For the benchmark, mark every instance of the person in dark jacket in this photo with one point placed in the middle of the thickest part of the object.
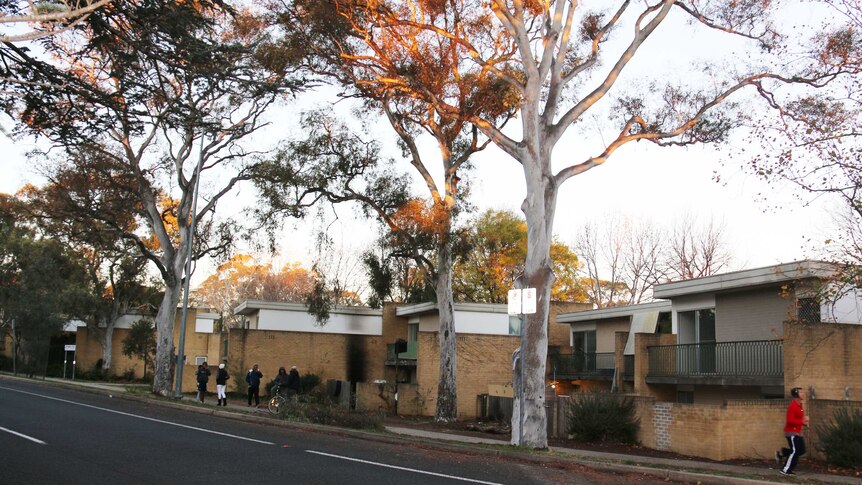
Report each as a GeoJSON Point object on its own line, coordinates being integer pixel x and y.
{"type": "Point", "coordinates": [796, 419]}
{"type": "Point", "coordinates": [203, 376]}
{"type": "Point", "coordinates": [221, 383]}
{"type": "Point", "coordinates": [280, 382]}
{"type": "Point", "coordinates": [253, 379]}
{"type": "Point", "coordinates": [293, 384]}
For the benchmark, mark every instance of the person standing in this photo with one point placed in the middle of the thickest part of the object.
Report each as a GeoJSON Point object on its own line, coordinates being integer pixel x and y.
{"type": "Point", "coordinates": [253, 379]}
{"type": "Point", "coordinates": [281, 380]}
{"type": "Point", "coordinates": [221, 383]}
{"type": "Point", "coordinates": [796, 419]}
{"type": "Point", "coordinates": [203, 376]}
{"type": "Point", "coordinates": [293, 383]}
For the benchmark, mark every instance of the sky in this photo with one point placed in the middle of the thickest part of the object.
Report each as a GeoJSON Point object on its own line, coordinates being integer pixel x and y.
{"type": "Point", "coordinates": [640, 181]}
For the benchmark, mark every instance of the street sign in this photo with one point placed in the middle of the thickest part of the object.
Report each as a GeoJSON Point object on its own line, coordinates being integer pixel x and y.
{"type": "Point", "coordinates": [528, 301]}
{"type": "Point", "coordinates": [522, 302]}
{"type": "Point", "coordinates": [514, 301]}
{"type": "Point", "coordinates": [69, 348]}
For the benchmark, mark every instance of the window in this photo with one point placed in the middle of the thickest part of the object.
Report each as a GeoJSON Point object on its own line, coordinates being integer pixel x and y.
{"type": "Point", "coordinates": [413, 332]}
{"type": "Point", "coordinates": [584, 342]}
{"type": "Point", "coordinates": [664, 323]}
{"type": "Point", "coordinates": [808, 310]}
{"type": "Point", "coordinates": [200, 359]}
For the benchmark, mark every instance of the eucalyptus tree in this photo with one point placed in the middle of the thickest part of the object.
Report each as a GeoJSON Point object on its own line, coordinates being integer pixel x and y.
{"type": "Point", "coordinates": [369, 64]}
{"type": "Point", "coordinates": [116, 270]}
{"type": "Point", "coordinates": [813, 142]}
{"type": "Point", "coordinates": [564, 60]}
{"type": "Point", "coordinates": [28, 20]}
{"type": "Point", "coordinates": [147, 99]}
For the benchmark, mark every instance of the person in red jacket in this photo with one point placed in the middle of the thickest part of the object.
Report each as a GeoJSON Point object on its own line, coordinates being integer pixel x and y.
{"type": "Point", "coordinates": [796, 419]}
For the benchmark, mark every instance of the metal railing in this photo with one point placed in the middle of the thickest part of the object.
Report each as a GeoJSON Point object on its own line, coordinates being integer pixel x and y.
{"type": "Point", "coordinates": [753, 358]}
{"type": "Point", "coordinates": [580, 363]}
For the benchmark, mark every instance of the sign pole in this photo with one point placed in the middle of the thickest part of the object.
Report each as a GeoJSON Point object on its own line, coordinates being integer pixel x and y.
{"type": "Point", "coordinates": [521, 386]}
{"type": "Point", "coordinates": [522, 302]}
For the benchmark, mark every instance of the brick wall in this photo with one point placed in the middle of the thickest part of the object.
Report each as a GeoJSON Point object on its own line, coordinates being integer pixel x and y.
{"type": "Point", "coordinates": [371, 397]}
{"type": "Point", "coordinates": [325, 355]}
{"type": "Point", "coordinates": [735, 429]}
{"type": "Point", "coordinates": [826, 357]}
{"type": "Point", "coordinates": [642, 342]}
{"type": "Point", "coordinates": [88, 350]}
{"type": "Point", "coordinates": [481, 360]}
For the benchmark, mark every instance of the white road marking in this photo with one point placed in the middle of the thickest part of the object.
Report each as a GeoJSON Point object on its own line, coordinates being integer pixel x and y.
{"type": "Point", "coordinates": [141, 417]}
{"type": "Point", "coordinates": [453, 477]}
{"type": "Point", "coordinates": [34, 440]}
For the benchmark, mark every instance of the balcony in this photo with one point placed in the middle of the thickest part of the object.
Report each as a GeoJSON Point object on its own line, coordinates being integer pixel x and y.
{"type": "Point", "coordinates": [403, 359]}
{"type": "Point", "coordinates": [756, 362]}
{"type": "Point", "coordinates": [579, 365]}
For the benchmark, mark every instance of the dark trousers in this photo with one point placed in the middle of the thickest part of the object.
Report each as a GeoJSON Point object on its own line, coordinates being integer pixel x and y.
{"type": "Point", "coordinates": [202, 391]}
{"type": "Point", "coordinates": [254, 391]}
{"type": "Point", "coordinates": [792, 454]}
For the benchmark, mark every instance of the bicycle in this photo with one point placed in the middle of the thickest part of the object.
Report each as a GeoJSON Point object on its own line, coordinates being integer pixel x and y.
{"type": "Point", "coordinates": [276, 402]}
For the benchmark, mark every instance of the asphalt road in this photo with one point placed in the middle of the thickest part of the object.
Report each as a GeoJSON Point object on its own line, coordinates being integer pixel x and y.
{"type": "Point", "coordinates": [57, 435]}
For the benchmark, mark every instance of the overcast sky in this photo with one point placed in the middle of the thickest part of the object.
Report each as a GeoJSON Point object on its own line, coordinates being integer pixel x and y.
{"type": "Point", "coordinates": [639, 181]}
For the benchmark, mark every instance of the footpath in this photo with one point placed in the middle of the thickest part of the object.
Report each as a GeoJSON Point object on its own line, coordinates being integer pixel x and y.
{"type": "Point", "coordinates": [689, 471]}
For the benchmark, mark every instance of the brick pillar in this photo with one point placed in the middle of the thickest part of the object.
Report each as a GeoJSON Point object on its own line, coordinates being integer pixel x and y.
{"type": "Point", "coordinates": [642, 341]}
{"type": "Point", "coordinates": [620, 339]}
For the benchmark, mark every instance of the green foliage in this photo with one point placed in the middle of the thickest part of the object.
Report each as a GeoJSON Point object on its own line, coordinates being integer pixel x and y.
{"type": "Point", "coordinates": [841, 439]}
{"type": "Point", "coordinates": [494, 255]}
{"type": "Point", "coordinates": [140, 342]}
{"type": "Point", "coordinates": [308, 383]}
{"type": "Point", "coordinates": [319, 302]}
{"type": "Point", "coordinates": [595, 417]}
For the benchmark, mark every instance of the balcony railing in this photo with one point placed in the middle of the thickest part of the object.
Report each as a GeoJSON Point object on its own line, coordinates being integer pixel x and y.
{"type": "Point", "coordinates": [581, 364]}
{"type": "Point", "coordinates": [756, 358]}
{"type": "Point", "coordinates": [404, 358]}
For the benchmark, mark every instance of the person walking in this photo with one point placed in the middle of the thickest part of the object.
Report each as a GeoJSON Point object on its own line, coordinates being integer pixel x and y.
{"type": "Point", "coordinates": [787, 458]}
{"type": "Point", "coordinates": [253, 379]}
{"type": "Point", "coordinates": [293, 383]}
{"type": "Point", "coordinates": [203, 376]}
{"type": "Point", "coordinates": [221, 383]}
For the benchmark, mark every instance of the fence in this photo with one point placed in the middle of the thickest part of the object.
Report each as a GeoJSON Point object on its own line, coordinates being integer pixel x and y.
{"type": "Point", "coordinates": [756, 358]}
{"type": "Point", "coordinates": [583, 364]}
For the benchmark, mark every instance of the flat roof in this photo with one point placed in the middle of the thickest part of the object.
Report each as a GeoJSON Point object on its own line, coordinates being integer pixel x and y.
{"type": "Point", "coordinates": [768, 275]}
{"type": "Point", "coordinates": [430, 306]}
{"type": "Point", "coordinates": [613, 312]}
{"type": "Point", "coordinates": [251, 306]}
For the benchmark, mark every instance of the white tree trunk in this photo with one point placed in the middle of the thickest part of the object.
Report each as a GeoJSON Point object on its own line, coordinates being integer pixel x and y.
{"type": "Point", "coordinates": [538, 208]}
{"type": "Point", "coordinates": [162, 378]}
{"type": "Point", "coordinates": [107, 347]}
{"type": "Point", "coordinates": [447, 398]}
{"type": "Point", "coordinates": [108, 338]}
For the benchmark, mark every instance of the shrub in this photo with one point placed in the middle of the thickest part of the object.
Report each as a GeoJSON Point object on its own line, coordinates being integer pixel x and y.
{"type": "Point", "coordinates": [308, 382]}
{"type": "Point", "coordinates": [841, 439]}
{"type": "Point", "coordinates": [602, 417]}
{"type": "Point", "coordinates": [128, 375]}
{"type": "Point", "coordinates": [329, 415]}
